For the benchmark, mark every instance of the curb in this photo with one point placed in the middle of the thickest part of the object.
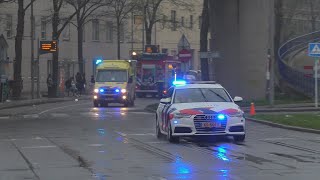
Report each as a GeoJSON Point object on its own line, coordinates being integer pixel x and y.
{"type": "Point", "coordinates": [37, 102]}
{"type": "Point", "coordinates": [294, 128]}
{"type": "Point", "coordinates": [285, 110]}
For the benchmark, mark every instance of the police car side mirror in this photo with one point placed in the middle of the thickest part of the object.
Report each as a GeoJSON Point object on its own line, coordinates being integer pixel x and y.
{"type": "Point", "coordinates": [165, 100]}
{"type": "Point", "coordinates": [238, 99]}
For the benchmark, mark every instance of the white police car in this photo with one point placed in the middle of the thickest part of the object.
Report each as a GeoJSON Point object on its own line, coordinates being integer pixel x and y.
{"type": "Point", "coordinates": [198, 109]}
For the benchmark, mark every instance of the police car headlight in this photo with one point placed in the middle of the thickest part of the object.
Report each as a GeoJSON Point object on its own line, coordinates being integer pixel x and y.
{"type": "Point", "coordinates": [180, 115]}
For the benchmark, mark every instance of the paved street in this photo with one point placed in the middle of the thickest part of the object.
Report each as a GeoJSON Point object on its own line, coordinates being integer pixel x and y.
{"type": "Point", "coordinates": [75, 141]}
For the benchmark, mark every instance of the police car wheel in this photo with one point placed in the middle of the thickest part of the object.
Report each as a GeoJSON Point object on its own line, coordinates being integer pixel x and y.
{"type": "Point", "coordinates": [158, 132]}
{"type": "Point", "coordinates": [239, 138]}
{"type": "Point", "coordinates": [171, 138]}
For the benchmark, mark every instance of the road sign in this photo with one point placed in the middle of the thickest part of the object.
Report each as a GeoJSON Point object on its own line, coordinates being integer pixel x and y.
{"type": "Point", "coordinates": [314, 49]}
{"type": "Point", "coordinates": [209, 55]}
{"type": "Point", "coordinates": [48, 47]}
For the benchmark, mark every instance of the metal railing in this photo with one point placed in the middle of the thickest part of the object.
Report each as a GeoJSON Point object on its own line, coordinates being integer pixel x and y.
{"type": "Point", "coordinates": [295, 78]}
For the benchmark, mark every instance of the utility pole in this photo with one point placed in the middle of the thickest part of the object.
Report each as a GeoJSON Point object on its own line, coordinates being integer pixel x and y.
{"type": "Point", "coordinates": [269, 55]}
{"type": "Point", "coordinates": [132, 22]}
{"type": "Point", "coordinates": [143, 25]}
{"type": "Point", "coordinates": [32, 51]}
{"type": "Point", "coordinates": [38, 70]}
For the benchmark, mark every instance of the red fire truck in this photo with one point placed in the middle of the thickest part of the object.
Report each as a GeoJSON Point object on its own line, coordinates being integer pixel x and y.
{"type": "Point", "coordinates": [155, 73]}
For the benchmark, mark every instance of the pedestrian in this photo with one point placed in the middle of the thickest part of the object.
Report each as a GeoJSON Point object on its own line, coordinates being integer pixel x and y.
{"type": "Point", "coordinates": [49, 83]}
{"type": "Point", "coordinates": [68, 85]}
{"type": "Point", "coordinates": [84, 83]}
{"type": "Point", "coordinates": [79, 82]}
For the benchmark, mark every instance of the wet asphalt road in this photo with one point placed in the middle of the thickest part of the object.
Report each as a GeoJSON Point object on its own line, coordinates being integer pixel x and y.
{"type": "Point", "coordinates": [75, 141]}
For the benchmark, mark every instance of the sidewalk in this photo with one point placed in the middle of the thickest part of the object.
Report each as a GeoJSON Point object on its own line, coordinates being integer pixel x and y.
{"type": "Point", "coordinates": [44, 100]}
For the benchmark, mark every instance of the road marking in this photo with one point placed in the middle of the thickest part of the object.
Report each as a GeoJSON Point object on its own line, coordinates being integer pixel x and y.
{"type": "Point", "coordinates": [38, 147]}
{"type": "Point", "coordinates": [5, 117]}
{"type": "Point", "coordinates": [31, 116]}
{"type": "Point", "coordinates": [95, 145]}
{"type": "Point", "coordinates": [59, 115]}
{"type": "Point", "coordinates": [275, 139]}
{"type": "Point", "coordinates": [61, 107]}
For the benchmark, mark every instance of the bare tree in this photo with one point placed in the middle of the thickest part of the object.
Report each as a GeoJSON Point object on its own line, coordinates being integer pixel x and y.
{"type": "Point", "coordinates": [120, 10]}
{"type": "Point", "coordinates": [151, 10]}
{"type": "Point", "coordinates": [56, 32]}
{"type": "Point", "coordinates": [204, 39]}
{"type": "Point", "coordinates": [84, 9]}
{"type": "Point", "coordinates": [18, 47]}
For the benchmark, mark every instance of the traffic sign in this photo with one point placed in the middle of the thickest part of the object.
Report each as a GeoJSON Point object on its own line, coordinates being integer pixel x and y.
{"type": "Point", "coordinates": [314, 49]}
{"type": "Point", "coordinates": [48, 47]}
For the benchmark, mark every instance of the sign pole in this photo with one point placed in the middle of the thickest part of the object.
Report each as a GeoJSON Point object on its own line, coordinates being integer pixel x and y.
{"type": "Point", "coordinates": [316, 83]}
{"type": "Point", "coordinates": [38, 70]}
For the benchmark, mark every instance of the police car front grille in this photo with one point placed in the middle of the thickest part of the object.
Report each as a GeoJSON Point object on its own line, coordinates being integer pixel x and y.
{"type": "Point", "coordinates": [198, 119]}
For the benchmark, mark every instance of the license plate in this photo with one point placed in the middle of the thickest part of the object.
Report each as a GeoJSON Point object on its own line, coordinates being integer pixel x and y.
{"type": "Point", "coordinates": [211, 125]}
{"type": "Point", "coordinates": [109, 99]}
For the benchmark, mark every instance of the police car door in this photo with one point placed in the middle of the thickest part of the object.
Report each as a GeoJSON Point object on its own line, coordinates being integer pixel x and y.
{"type": "Point", "coordinates": [165, 110]}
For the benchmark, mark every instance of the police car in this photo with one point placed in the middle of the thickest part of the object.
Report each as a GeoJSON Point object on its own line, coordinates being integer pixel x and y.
{"type": "Point", "coordinates": [199, 109]}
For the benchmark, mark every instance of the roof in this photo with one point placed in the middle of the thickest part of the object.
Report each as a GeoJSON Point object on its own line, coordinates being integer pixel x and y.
{"type": "Point", "coordinates": [187, 86]}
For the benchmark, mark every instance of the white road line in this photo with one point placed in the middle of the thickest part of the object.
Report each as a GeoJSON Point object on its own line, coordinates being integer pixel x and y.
{"type": "Point", "coordinates": [31, 116]}
{"type": "Point", "coordinates": [38, 147]}
{"type": "Point", "coordinates": [95, 145]}
{"type": "Point", "coordinates": [142, 134]}
{"type": "Point", "coordinates": [276, 139]}
{"type": "Point", "coordinates": [5, 117]}
{"type": "Point", "coordinates": [61, 107]}
{"type": "Point", "coordinates": [59, 115]}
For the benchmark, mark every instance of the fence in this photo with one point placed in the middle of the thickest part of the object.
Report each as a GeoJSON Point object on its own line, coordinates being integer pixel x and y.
{"type": "Point", "coordinates": [295, 78]}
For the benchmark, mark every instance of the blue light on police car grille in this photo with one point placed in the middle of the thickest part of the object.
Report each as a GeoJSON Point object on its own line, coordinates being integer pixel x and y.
{"type": "Point", "coordinates": [102, 90]}
{"type": "Point", "coordinates": [221, 117]}
{"type": "Point", "coordinates": [175, 122]}
{"type": "Point", "coordinates": [117, 90]}
{"type": "Point", "coordinates": [179, 83]}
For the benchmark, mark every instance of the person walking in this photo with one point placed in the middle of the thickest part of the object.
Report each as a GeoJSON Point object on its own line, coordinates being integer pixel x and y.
{"type": "Point", "coordinates": [49, 83]}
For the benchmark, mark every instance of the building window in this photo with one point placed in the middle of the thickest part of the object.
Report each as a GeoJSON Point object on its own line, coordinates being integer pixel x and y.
{"type": "Point", "coordinates": [164, 21]}
{"type": "Point", "coordinates": [191, 21]}
{"type": "Point", "coordinates": [200, 22]}
{"type": "Point", "coordinates": [66, 33]}
{"type": "Point", "coordinates": [182, 21]}
{"type": "Point", "coordinates": [43, 28]}
{"type": "Point", "coordinates": [109, 29]}
{"type": "Point", "coordinates": [121, 33]}
{"type": "Point", "coordinates": [95, 30]}
{"type": "Point", "coordinates": [9, 25]}
{"type": "Point", "coordinates": [173, 20]}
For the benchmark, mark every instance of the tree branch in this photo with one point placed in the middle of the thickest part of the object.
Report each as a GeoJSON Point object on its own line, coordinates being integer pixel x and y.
{"type": "Point", "coordinates": [28, 5]}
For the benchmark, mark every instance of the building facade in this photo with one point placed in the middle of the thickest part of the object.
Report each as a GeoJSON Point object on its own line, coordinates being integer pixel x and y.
{"type": "Point", "coordinates": [99, 37]}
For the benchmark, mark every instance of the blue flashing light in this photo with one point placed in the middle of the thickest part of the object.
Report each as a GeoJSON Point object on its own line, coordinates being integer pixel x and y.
{"type": "Point", "coordinates": [175, 122]}
{"type": "Point", "coordinates": [117, 90]}
{"type": "Point", "coordinates": [98, 61]}
{"type": "Point", "coordinates": [221, 117]}
{"type": "Point", "coordinates": [179, 83]}
{"type": "Point", "coordinates": [101, 90]}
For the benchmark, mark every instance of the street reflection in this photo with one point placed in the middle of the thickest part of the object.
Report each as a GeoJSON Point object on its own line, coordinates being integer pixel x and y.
{"type": "Point", "coordinates": [101, 132]}
{"type": "Point", "coordinates": [221, 153]}
{"type": "Point", "coordinates": [181, 169]}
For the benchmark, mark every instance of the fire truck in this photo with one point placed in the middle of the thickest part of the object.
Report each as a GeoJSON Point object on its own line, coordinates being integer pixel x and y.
{"type": "Point", "coordinates": [155, 73]}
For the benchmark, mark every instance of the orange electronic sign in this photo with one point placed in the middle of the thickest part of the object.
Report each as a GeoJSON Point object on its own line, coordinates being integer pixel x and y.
{"type": "Point", "coordinates": [48, 47]}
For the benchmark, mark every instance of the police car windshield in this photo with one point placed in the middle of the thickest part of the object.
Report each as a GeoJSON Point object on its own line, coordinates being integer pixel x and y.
{"type": "Point", "coordinates": [191, 95]}
{"type": "Point", "coordinates": [112, 76]}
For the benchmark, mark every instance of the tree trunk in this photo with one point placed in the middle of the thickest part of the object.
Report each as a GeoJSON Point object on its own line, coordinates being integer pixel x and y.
{"type": "Point", "coordinates": [118, 39]}
{"type": "Point", "coordinates": [18, 51]}
{"type": "Point", "coordinates": [80, 48]}
{"type": "Point", "coordinates": [148, 35]}
{"type": "Point", "coordinates": [53, 91]}
{"type": "Point", "coordinates": [204, 40]}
